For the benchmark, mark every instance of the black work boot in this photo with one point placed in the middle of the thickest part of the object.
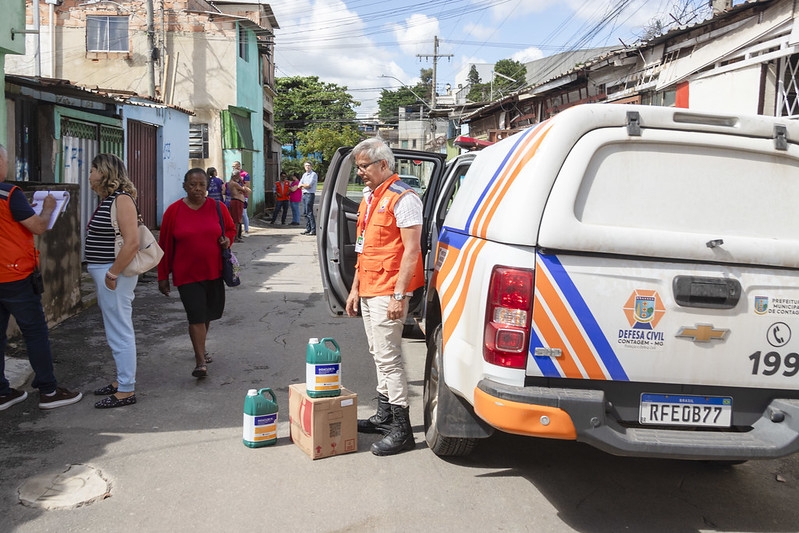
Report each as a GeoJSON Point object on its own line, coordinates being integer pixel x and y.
{"type": "Point", "coordinates": [400, 438]}
{"type": "Point", "coordinates": [380, 422]}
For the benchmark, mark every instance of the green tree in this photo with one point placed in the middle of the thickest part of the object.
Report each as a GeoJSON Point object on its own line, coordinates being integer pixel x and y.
{"type": "Point", "coordinates": [390, 101]}
{"type": "Point", "coordinates": [478, 92]}
{"type": "Point", "coordinates": [426, 77]}
{"type": "Point", "coordinates": [323, 141]}
{"type": "Point", "coordinates": [416, 96]}
{"type": "Point", "coordinates": [304, 102]}
{"type": "Point", "coordinates": [512, 69]}
{"type": "Point", "coordinates": [473, 77]}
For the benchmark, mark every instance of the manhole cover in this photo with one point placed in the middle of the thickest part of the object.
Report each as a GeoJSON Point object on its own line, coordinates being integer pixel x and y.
{"type": "Point", "coordinates": [76, 486]}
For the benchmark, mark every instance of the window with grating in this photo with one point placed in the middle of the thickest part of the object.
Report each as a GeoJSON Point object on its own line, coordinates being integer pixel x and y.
{"type": "Point", "coordinates": [789, 87]}
{"type": "Point", "coordinates": [80, 130]}
{"type": "Point", "coordinates": [198, 141]}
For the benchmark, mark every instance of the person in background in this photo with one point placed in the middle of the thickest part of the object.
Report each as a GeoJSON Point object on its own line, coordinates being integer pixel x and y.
{"type": "Point", "coordinates": [237, 199]}
{"type": "Point", "coordinates": [226, 193]}
{"type": "Point", "coordinates": [20, 297]}
{"type": "Point", "coordinates": [295, 198]}
{"type": "Point", "coordinates": [245, 181]}
{"type": "Point", "coordinates": [388, 269]}
{"type": "Point", "coordinates": [308, 185]}
{"type": "Point", "coordinates": [192, 239]}
{"type": "Point", "coordinates": [281, 198]}
{"type": "Point", "coordinates": [108, 178]}
{"type": "Point", "coordinates": [215, 185]}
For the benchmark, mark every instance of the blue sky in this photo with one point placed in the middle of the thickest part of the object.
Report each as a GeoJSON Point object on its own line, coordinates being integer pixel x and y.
{"type": "Point", "coordinates": [352, 43]}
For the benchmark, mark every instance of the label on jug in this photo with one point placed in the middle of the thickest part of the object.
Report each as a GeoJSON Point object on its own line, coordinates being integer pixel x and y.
{"type": "Point", "coordinates": [260, 428]}
{"type": "Point", "coordinates": [323, 377]}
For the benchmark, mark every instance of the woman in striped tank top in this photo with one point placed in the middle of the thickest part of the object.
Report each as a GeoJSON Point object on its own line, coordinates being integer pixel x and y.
{"type": "Point", "coordinates": [115, 291]}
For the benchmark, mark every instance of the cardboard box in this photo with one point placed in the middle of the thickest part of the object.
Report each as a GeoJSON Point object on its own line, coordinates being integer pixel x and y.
{"type": "Point", "coordinates": [322, 427]}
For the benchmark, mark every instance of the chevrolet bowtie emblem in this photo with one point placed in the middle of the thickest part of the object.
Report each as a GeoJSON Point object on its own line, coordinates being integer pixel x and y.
{"type": "Point", "coordinates": [702, 333]}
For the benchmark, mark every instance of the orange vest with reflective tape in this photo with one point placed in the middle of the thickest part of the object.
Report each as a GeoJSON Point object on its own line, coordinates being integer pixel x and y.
{"type": "Point", "coordinates": [17, 253]}
{"type": "Point", "coordinates": [379, 263]}
{"type": "Point", "coordinates": [282, 190]}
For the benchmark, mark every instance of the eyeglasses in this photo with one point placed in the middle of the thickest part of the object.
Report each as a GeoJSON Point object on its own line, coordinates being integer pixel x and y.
{"type": "Point", "coordinates": [362, 168]}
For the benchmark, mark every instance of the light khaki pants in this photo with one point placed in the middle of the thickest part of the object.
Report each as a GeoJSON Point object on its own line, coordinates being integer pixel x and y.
{"type": "Point", "coordinates": [385, 345]}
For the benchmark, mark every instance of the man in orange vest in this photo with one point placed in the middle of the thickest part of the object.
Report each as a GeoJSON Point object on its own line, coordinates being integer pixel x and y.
{"type": "Point", "coordinates": [282, 191]}
{"type": "Point", "coordinates": [388, 270]}
{"type": "Point", "coordinates": [20, 293]}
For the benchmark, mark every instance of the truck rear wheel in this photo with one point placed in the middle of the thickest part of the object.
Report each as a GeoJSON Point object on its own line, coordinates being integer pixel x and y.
{"type": "Point", "coordinates": [433, 388]}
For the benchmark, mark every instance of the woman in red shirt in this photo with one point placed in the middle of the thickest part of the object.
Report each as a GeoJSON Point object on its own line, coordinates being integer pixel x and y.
{"type": "Point", "coordinates": [192, 238]}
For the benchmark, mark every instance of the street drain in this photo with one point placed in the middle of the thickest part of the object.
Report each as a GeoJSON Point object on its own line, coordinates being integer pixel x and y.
{"type": "Point", "coordinates": [76, 486]}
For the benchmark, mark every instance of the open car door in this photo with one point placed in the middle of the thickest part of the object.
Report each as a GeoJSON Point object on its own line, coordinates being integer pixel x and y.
{"type": "Point", "coordinates": [437, 202]}
{"type": "Point", "coordinates": [337, 216]}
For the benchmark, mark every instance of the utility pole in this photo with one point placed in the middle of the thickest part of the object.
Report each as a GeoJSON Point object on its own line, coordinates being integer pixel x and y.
{"type": "Point", "coordinates": [38, 46]}
{"type": "Point", "coordinates": [434, 57]}
{"type": "Point", "coordinates": [150, 49]}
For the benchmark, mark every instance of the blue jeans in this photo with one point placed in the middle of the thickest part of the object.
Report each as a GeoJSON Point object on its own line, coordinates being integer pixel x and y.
{"type": "Point", "coordinates": [281, 205]}
{"type": "Point", "coordinates": [307, 206]}
{"type": "Point", "coordinates": [18, 299]}
{"type": "Point", "coordinates": [295, 212]}
{"type": "Point", "coordinates": [117, 309]}
{"type": "Point", "coordinates": [245, 219]}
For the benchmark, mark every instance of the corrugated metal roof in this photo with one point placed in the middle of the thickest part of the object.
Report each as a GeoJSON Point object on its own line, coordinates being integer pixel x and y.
{"type": "Point", "coordinates": [109, 96]}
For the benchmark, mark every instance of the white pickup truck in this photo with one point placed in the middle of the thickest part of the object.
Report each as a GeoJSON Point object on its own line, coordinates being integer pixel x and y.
{"type": "Point", "coordinates": [624, 276]}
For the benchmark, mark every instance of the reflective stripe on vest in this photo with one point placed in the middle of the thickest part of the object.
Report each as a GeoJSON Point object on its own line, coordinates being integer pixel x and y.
{"type": "Point", "coordinates": [379, 263]}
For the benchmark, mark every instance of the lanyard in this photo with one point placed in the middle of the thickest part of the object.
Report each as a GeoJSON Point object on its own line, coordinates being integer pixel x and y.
{"type": "Point", "coordinates": [370, 203]}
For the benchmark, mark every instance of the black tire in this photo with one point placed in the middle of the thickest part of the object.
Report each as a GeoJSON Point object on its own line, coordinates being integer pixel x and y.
{"type": "Point", "coordinates": [433, 383]}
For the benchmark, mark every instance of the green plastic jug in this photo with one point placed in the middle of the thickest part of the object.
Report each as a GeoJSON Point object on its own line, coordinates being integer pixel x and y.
{"type": "Point", "coordinates": [322, 368]}
{"type": "Point", "coordinates": [260, 418]}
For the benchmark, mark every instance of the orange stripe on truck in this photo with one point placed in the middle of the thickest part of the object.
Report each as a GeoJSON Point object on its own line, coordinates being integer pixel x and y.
{"type": "Point", "coordinates": [522, 155]}
{"type": "Point", "coordinates": [524, 418]}
{"type": "Point", "coordinates": [464, 260]}
{"type": "Point", "coordinates": [567, 324]}
{"type": "Point", "coordinates": [552, 339]}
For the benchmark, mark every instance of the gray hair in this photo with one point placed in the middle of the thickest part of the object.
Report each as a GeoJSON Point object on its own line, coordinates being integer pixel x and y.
{"type": "Point", "coordinates": [375, 150]}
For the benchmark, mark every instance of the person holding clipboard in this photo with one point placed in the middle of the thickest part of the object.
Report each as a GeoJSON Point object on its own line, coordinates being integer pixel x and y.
{"type": "Point", "coordinates": [20, 293]}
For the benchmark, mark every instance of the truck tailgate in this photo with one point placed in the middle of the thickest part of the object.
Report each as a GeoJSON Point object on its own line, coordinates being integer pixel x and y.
{"type": "Point", "coordinates": [622, 319]}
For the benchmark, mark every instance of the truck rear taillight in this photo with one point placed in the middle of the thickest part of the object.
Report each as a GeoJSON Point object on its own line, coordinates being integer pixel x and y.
{"type": "Point", "coordinates": [507, 326]}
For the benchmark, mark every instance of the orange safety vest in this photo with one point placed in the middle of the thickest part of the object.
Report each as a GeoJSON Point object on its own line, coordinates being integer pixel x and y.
{"type": "Point", "coordinates": [379, 263]}
{"type": "Point", "coordinates": [282, 190]}
{"type": "Point", "coordinates": [18, 255]}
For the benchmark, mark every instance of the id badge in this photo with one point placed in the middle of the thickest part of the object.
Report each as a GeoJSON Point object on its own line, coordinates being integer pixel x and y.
{"type": "Point", "coordinates": [359, 245]}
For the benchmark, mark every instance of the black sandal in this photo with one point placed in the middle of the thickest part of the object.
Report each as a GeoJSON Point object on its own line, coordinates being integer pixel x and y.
{"type": "Point", "coordinates": [208, 358]}
{"type": "Point", "coordinates": [200, 371]}
{"type": "Point", "coordinates": [112, 401]}
{"type": "Point", "coordinates": [107, 390]}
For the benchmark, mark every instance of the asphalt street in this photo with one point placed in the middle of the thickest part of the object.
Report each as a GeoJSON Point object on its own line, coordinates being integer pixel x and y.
{"type": "Point", "coordinates": [175, 461]}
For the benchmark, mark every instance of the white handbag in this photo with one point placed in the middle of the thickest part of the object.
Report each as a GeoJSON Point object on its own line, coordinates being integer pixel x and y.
{"type": "Point", "coordinates": [149, 254]}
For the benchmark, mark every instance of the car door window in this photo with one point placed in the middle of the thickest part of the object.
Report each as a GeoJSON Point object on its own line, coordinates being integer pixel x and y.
{"type": "Point", "coordinates": [452, 187]}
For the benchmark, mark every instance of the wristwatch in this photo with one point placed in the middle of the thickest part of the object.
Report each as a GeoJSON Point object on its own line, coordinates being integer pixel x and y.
{"type": "Point", "coordinates": [399, 296]}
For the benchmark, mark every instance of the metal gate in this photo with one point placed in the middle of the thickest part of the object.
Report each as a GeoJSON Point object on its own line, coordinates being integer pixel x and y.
{"type": "Point", "coordinates": [81, 144]}
{"type": "Point", "coordinates": [142, 168]}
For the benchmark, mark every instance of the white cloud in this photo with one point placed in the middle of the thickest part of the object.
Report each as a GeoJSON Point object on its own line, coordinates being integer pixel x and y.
{"type": "Point", "coordinates": [415, 34]}
{"type": "Point", "coordinates": [527, 55]}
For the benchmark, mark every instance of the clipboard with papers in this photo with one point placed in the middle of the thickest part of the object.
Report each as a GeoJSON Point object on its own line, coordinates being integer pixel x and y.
{"type": "Point", "coordinates": [61, 202]}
